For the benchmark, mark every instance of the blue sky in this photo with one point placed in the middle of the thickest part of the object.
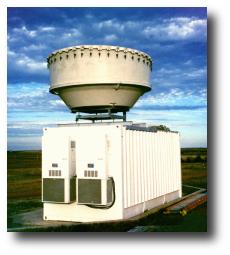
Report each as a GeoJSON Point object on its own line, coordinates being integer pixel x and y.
{"type": "Point", "coordinates": [175, 38]}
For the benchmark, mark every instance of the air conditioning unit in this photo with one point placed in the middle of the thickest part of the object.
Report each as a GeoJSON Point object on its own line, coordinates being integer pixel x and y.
{"type": "Point", "coordinates": [59, 190]}
{"type": "Point", "coordinates": [96, 192]}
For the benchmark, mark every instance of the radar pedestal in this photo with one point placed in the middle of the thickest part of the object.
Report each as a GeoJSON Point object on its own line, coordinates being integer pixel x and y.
{"type": "Point", "coordinates": [101, 116]}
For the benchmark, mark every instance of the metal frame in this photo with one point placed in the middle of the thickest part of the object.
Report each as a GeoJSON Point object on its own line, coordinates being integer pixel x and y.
{"type": "Point", "coordinates": [101, 116]}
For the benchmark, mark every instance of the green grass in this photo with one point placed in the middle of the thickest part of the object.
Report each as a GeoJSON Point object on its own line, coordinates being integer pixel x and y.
{"type": "Point", "coordinates": [194, 174]}
{"type": "Point", "coordinates": [23, 183]}
{"type": "Point", "coordinates": [23, 174]}
{"type": "Point", "coordinates": [24, 194]}
{"type": "Point", "coordinates": [193, 151]}
{"type": "Point", "coordinates": [16, 206]}
{"type": "Point", "coordinates": [195, 221]}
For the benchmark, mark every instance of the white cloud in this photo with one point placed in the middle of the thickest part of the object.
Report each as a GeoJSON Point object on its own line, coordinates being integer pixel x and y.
{"type": "Point", "coordinates": [11, 38]}
{"type": "Point", "coordinates": [89, 16]}
{"type": "Point", "coordinates": [22, 61]}
{"type": "Point", "coordinates": [197, 73]}
{"type": "Point", "coordinates": [30, 64]}
{"type": "Point", "coordinates": [24, 142]}
{"type": "Point", "coordinates": [177, 29]}
{"type": "Point", "coordinates": [166, 71]}
{"type": "Point", "coordinates": [25, 31]}
{"type": "Point", "coordinates": [132, 24]}
{"type": "Point", "coordinates": [11, 53]}
{"type": "Point", "coordinates": [34, 47]}
{"type": "Point", "coordinates": [71, 34]}
{"type": "Point", "coordinates": [188, 62]}
{"type": "Point", "coordinates": [32, 33]}
{"type": "Point", "coordinates": [174, 98]}
{"type": "Point", "coordinates": [56, 103]}
{"type": "Point", "coordinates": [172, 76]}
{"type": "Point", "coordinates": [111, 24]}
{"type": "Point", "coordinates": [47, 29]}
{"type": "Point", "coordinates": [25, 92]}
{"type": "Point", "coordinates": [33, 124]}
{"type": "Point", "coordinates": [110, 38]}
{"type": "Point", "coordinates": [32, 97]}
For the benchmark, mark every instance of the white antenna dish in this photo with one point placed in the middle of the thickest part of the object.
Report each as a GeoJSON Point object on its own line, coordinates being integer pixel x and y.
{"type": "Point", "coordinates": [98, 78]}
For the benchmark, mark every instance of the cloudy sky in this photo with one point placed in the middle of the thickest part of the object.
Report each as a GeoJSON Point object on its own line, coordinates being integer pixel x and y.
{"type": "Point", "coordinates": [176, 39]}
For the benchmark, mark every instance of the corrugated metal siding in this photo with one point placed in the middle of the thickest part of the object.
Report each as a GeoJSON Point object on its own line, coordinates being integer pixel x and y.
{"type": "Point", "coordinates": [151, 165]}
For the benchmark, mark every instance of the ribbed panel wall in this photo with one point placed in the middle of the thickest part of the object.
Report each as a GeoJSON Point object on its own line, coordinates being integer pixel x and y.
{"type": "Point", "coordinates": [151, 165]}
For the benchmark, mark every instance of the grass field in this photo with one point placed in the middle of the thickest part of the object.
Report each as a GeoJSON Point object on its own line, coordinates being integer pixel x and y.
{"type": "Point", "coordinates": [24, 194]}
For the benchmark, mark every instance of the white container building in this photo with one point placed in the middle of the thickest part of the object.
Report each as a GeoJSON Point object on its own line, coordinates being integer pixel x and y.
{"type": "Point", "coordinates": [107, 171]}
